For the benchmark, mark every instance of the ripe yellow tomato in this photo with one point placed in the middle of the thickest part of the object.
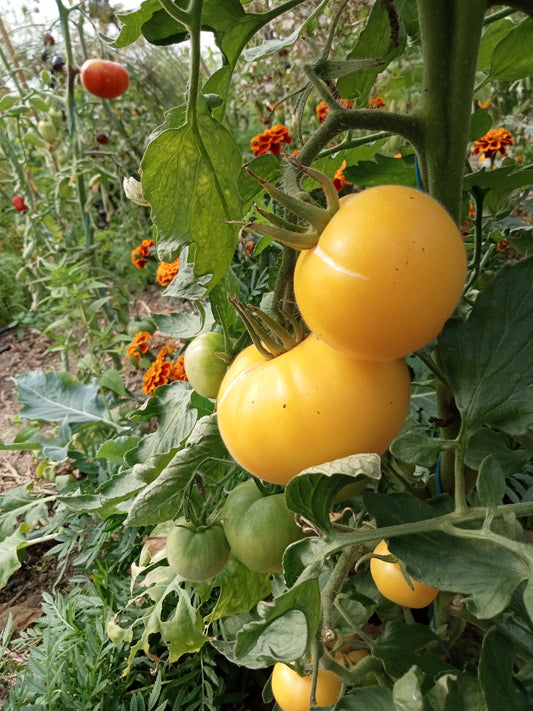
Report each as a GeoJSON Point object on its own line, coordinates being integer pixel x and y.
{"type": "Point", "coordinates": [292, 691]}
{"type": "Point", "coordinates": [387, 272]}
{"type": "Point", "coordinates": [391, 583]}
{"type": "Point", "coordinates": [308, 406]}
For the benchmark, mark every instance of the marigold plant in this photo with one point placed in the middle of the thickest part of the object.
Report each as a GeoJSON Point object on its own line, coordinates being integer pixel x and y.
{"type": "Point", "coordinates": [141, 254]}
{"type": "Point", "coordinates": [166, 272]}
{"type": "Point", "coordinates": [163, 371]}
{"type": "Point", "coordinates": [493, 144]}
{"type": "Point", "coordinates": [339, 179]}
{"type": "Point", "coordinates": [140, 344]}
{"type": "Point", "coordinates": [376, 103]}
{"type": "Point", "coordinates": [270, 140]}
{"type": "Point", "coordinates": [322, 109]}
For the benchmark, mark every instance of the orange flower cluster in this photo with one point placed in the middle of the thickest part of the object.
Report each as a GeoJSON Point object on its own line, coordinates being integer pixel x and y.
{"type": "Point", "coordinates": [166, 271]}
{"type": "Point", "coordinates": [493, 143]}
{"type": "Point", "coordinates": [140, 344]}
{"type": "Point", "coordinates": [339, 181]}
{"type": "Point", "coordinates": [270, 140]}
{"type": "Point", "coordinates": [377, 103]}
{"type": "Point", "coordinates": [322, 109]}
{"type": "Point", "coordinates": [163, 371]}
{"type": "Point", "coordinates": [141, 254]}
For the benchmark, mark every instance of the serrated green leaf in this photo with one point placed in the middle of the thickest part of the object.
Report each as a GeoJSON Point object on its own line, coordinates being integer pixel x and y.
{"type": "Point", "coordinates": [489, 357]}
{"type": "Point", "coordinates": [417, 448]}
{"type": "Point", "coordinates": [132, 22]}
{"type": "Point", "coordinates": [57, 397]}
{"type": "Point", "coordinates": [496, 674]}
{"type": "Point", "coordinates": [285, 628]}
{"type": "Point", "coordinates": [374, 42]}
{"type": "Point", "coordinates": [200, 162]}
{"type": "Point", "coordinates": [507, 177]}
{"type": "Point", "coordinates": [272, 46]}
{"type": "Point", "coordinates": [383, 170]}
{"type": "Point", "coordinates": [312, 492]}
{"type": "Point", "coordinates": [487, 572]}
{"type": "Point", "coordinates": [240, 589]}
{"type": "Point", "coordinates": [183, 325]}
{"type": "Point", "coordinates": [490, 483]}
{"type": "Point", "coordinates": [509, 60]}
{"type": "Point", "coordinates": [163, 498]}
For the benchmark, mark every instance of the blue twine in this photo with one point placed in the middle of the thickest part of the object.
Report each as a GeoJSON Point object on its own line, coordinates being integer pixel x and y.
{"type": "Point", "coordinates": [418, 176]}
{"type": "Point", "coordinates": [438, 485]}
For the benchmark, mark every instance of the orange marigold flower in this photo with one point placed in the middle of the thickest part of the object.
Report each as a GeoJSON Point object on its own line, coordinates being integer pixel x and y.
{"type": "Point", "coordinates": [471, 212]}
{"type": "Point", "coordinates": [339, 181]}
{"type": "Point", "coordinates": [177, 370]}
{"type": "Point", "coordinates": [485, 104]}
{"type": "Point", "coordinates": [140, 344]}
{"type": "Point", "coordinates": [141, 254]}
{"type": "Point", "coordinates": [157, 373]}
{"type": "Point", "coordinates": [322, 110]}
{"type": "Point", "coordinates": [166, 271]}
{"type": "Point", "coordinates": [270, 140]}
{"type": "Point", "coordinates": [377, 103]}
{"type": "Point", "coordinates": [493, 143]}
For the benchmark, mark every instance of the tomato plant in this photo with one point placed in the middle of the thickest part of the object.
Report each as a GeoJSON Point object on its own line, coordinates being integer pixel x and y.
{"type": "Point", "coordinates": [196, 553]}
{"type": "Point", "coordinates": [293, 692]}
{"type": "Point", "coordinates": [259, 528]}
{"type": "Point", "coordinates": [391, 582]}
{"type": "Point", "coordinates": [308, 406]}
{"type": "Point", "coordinates": [387, 272]}
{"type": "Point", "coordinates": [205, 370]}
{"type": "Point", "coordinates": [104, 78]}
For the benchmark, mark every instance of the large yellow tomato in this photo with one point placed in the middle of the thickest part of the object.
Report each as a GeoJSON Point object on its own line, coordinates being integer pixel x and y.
{"type": "Point", "coordinates": [387, 272]}
{"type": "Point", "coordinates": [292, 691]}
{"type": "Point", "coordinates": [308, 406]}
{"type": "Point", "coordinates": [391, 583]}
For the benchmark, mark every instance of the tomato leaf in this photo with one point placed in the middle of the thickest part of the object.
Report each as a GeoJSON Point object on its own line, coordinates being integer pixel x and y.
{"type": "Point", "coordinates": [383, 170]}
{"type": "Point", "coordinates": [489, 357]}
{"type": "Point", "coordinates": [184, 324]}
{"type": "Point", "coordinates": [374, 42]}
{"type": "Point", "coordinates": [489, 440]}
{"type": "Point", "coordinates": [200, 163]}
{"type": "Point", "coordinates": [284, 629]}
{"type": "Point", "coordinates": [240, 589]}
{"type": "Point", "coordinates": [417, 448]}
{"type": "Point", "coordinates": [163, 498]}
{"type": "Point", "coordinates": [373, 698]}
{"type": "Point", "coordinates": [495, 32]}
{"type": "Point", "coordinates": [487, 572]}
{"type": "Point", "coordinates": [490, 483]}
{"type": "Point", "coordinates": [312, 492]}
{"type": "Point", "coordinates": [412, 638]}
{"type": "Point", "coordinates": [496, 674]}
{"type": "Point", "coordinates": [508, 61]}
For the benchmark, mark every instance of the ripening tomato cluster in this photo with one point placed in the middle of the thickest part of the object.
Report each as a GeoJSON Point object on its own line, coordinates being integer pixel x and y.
{"type": "Point", "coordinates": [386, 273]}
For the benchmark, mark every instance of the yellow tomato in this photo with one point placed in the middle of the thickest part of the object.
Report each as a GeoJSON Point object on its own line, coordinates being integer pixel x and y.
{"type": "Point", "coordinates": [292, 691]}
{"type": "Point", "coordinates": [387, 272]}
{"type": "Point", "coordinates": [391, 583]}
{"type": "Point", "coordinates": [308, 406]}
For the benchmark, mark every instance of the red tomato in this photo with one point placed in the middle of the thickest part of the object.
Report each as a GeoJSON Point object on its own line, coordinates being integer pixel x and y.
{"type": "Point", "coordinates": [18, 203]}
{"type": "Point", "coordinates": [104, 78]}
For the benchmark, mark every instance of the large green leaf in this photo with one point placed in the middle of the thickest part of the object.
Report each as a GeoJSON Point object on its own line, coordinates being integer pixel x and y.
{"type": "Point", "coordinates": [240, 589]}
{"type": "Point", "coordinates": [285, 626]}
{"type": "Point", "coordinates": [373, 698]}
{"type": "Point", "coordinates": [9, 547]}
{"type": "Point", "coordinates": [57, 397]}
{"type": "Point", "coordinates": [163, 498]}
{"type": "Point", "coordinates": [494, 33]}
{"type": "Point", "coordinates": [489, 357]}
{"type": "Point", "coordinates": [374, 42]}
{"type": "Point", "coordinates": [383, 170]}
{"type": "Point", "coordinates": [314, 490]}
{"type": "Point", "coordinates": [496, 674]}
{"type": "Point", "coordinates": [487, 571]}
{"type": "Point", "coordinates": [512, 58]}
{"type": "Point", "coordinates": [190, 177]}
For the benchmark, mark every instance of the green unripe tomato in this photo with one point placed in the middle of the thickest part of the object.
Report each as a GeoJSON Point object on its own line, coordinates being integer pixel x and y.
{"type": "Point", "coordinates": [259, 527]}
{"type": "Point", "coordinates": [47, 130]}
{"type": "Point", "coordinates": [196, 553]}
{"type": "Point", "coordinates": [56, 116]}
{"type": "Point", "coordinates": [204, 369]}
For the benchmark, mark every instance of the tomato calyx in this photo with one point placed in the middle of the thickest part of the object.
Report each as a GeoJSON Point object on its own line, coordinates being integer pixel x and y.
{"type": "Point", "coordinates": [285, 231]}
{"type": "Point", "coordinates": [271, 339]}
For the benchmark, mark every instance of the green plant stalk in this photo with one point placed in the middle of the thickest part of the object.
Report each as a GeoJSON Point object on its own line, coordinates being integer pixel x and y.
{"type": "Point", "coordinates": [331, 589]}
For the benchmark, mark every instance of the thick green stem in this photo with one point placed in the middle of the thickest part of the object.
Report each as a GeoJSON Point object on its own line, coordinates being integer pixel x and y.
{"type": "Point", "coordinates": [451, 33]}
